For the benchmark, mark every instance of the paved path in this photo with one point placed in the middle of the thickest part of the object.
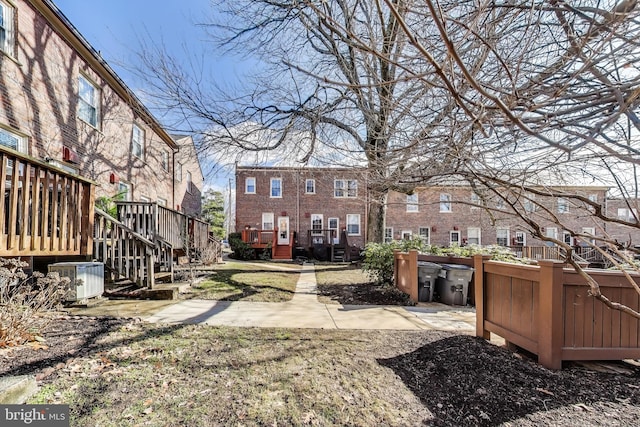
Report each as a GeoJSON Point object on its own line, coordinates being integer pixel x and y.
{"type": "Point", "coordinates": [304, 311]}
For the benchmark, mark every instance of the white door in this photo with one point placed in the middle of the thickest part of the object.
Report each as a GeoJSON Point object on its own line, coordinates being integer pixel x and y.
{"type": "Point", "coordinates": [283, 230]}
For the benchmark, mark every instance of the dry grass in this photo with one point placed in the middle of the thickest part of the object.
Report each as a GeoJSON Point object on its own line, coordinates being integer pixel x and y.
{"type": "Point", "coordinates": [202, 376]}
{"type": "Point", "coordinates": [258, 282]}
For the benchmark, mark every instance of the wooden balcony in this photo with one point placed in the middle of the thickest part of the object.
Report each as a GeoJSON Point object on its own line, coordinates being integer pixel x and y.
{"type": "Point", "coordinates": [264, 239]}
{"type": "Point", "coordinates": [46, 211]}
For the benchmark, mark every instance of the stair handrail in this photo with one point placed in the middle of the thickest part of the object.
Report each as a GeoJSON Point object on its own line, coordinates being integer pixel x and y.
{"type": "Point", "coordinates": [148, 247]}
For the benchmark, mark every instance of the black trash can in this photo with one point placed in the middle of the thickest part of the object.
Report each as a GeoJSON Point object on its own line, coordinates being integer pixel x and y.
{"type": "Point", "coordinates": [427, 275]}
{"type": "Point", "coordinates": [452, 285]}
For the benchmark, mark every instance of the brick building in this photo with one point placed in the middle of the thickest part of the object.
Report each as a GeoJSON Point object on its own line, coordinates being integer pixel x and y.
{"type": "Point", "coordinates": [188, 177]}
{"type": "Point", "coordinates": [302, 200]}
{"type": "Point", "coordinates": [441, 214]}
{"type": "Point", "coordinates": [62, 103]}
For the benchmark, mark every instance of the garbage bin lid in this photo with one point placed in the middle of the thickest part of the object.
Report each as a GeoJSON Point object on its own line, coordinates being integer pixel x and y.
{"type": "Point", "coordinates": [456, 267]}
{"type": "Point", "coordinates": [428, 264]}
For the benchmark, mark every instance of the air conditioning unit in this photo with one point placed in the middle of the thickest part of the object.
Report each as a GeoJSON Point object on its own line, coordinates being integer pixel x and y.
{"type": "Point", "coordinates": [87, 278]}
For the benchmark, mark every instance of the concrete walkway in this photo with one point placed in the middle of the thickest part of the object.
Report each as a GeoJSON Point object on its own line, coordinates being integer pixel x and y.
{"type": "Point", "coordinates": [304, 311]}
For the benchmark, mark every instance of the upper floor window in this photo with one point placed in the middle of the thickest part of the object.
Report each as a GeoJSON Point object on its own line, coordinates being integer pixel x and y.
{"type": "Point", "coordinates": [412, 203]}
{"type": "Point", "coordinates": [353, 224]}
{"type": "Point", "coordinates": [628, 214]}
{"type": "Point", "coordinates": [563, 205]}
{"type": "Point", "coordinates": [165, 160]}
{"type": "Point", "coordinates": [310, 186]}
{"type": "Point", "coordinates": [7, 32]}
{"type": "Point", "coordinates": [345, 188]}
{"type": "Point", "coordinates": [189, 182]}
{"type": "Point", "coordinates": [179, 172]}
{"type": "Point", "coordinates": [13, 140]}
{"type": "Point", "coordinates": [137, 142]}
{"type": "Point", "coordinates": [593, 198]}
{"type": "Point", "coordinates": [276, 187]}
{"type": "Point", "coordinates": [445, 202]}
{"type": "Point", "coordinates": [250, 185]}
{"type": "Point", "coordinates": [88, 103]}
{"type": "Point", "coordinates": [476, 201]}
{"type": "Point", "coordinates": [529, 204]}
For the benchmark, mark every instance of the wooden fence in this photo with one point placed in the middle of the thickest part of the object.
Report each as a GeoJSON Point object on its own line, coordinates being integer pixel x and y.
{"type": "Point", "coordinates": [46, 211]}
{"type": "Point", "coordinates": [547, 310]}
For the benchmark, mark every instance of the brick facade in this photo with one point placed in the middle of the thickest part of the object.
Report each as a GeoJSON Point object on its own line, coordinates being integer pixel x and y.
{"type": "Point", "coordinates": [39, 86]}
{"type": "Point", "coordinates": [189, 186]}
{"type": "Point", "coordinates": [425, 215]}
{"type": "Point", "coordinates": [299, 205]}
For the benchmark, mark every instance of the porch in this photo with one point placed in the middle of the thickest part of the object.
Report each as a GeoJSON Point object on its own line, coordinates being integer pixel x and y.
{"type": "Point", "coordinates": [49, 213]}
{"type": "Point", "coordinates": [279, 242]}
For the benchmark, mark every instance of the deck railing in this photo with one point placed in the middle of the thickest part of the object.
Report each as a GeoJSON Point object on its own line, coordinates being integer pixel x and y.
{"type": "Point", "coordinates": [259, 238]}
{"type": "Point", "coordinates": [45, 211]}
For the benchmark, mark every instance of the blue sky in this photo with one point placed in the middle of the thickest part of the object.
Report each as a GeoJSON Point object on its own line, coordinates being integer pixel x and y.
{"type": "Point", "coordinates": [114, 27]}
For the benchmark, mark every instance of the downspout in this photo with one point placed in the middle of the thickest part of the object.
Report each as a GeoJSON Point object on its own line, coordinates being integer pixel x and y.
{"type": "Point", "coordinates": [298, 206]}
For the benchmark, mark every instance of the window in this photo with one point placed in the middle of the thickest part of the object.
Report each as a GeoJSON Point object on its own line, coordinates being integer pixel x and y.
{"type": "Point", "coordinates": [500, 204]}
{"type": "Point", "coordinates": [589, 231]}
{"type": "Point", "coordinates": [521, 238]}
{"type": "Point", "coordinates": [445, 202]}
{"type": "Point", "coordinates": [563, 205]}
{"type": "Point", "coordinates": [345, 188]}
{"type": "Point", "coordinates": [473, 235]}
{"type": "Point", "coordinates": [267, 220]}
{"type": "Point", "coordinates": [162, 202]}
{"type": "Point", "coordinates": [13, 140]}
{"type": "Point", "coordinates": [137, 142]}
{"type": "Point", "coordinates": [412, 203]}
{"type": "Point", "coordinates": [476, 202]}
{"type": "Point", "coordinates": [502, 236]}
{"type": "Point", "coordinates": [88, 102]}
{"type": "Point", "coordinates": [529, 204]}
{"type": "Point", "coordinates": [316, 223]}
{"type": "Point", "coordinates": [334, 227]}
{"type": "Point", "coordinates": [388, 234]}
{"type": "Point", "coordinates": [250, 185]}
{"type": "Point", "coordinates": [593, 198]}
{"type": "Point", "coordinates": [276, 187]}
{"type": "Point", "coordinates": [454, 238]}
{"type": "Point", "coordinates": [145, 199]}
{"type": "Point", "coordinates": [627, 214]}
{"type": "Point", "coordinates": [353, 224]}
{"type": "Point", "coordinates": [567, 238]}
{"type": "Point", "coordinates": [179, 172]}
{"type": "Point", "coordinates": [425, 234]}
{"type": "Point", "coordinates": [406, 234]}
{"type": "Point", "coordinates": [165, 160]}
{"type": "Point", "coordinates": [124, 191]}
{"type": "Point", "coordinates": [189, 183]}
{"type": "Point", "coordinates": [551, 232]}
{"type": "Point", "coordinates": [310, 186]}
{"type": "Point", "coordinates": [7, 33]}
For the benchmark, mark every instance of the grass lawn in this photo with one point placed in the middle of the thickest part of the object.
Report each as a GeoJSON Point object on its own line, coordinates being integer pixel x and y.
{"type": "Point", "coordinates": [340, 274]}
{"type": "Point", "coordinates": [145, 374]}
{"type": "Point", "coordinates": [259, 281]}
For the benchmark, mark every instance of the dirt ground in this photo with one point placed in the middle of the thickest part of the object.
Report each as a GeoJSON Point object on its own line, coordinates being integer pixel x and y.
{"type": "Point", "coordinates": [125, 372]}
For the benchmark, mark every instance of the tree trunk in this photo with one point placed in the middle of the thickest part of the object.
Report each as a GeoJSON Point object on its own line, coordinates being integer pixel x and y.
{"type": "Point", "coordinates": [375, 223]}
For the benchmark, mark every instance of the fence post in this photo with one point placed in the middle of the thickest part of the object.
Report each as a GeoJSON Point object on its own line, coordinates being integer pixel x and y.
{"type": "Point", "coordinates": [550, 318]}
{"type": "Point", "coordinates": [395, 267]}
{"type": "Point", "coordinates": [413, 274]}
{"type": "Point", "coordinates": [478, 284]}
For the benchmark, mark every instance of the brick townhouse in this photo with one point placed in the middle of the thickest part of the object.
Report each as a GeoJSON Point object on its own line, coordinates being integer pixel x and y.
{"type": "Point", "coordinates": [318, 198]}
{"type": "Point", "coordinates": [62, 103]}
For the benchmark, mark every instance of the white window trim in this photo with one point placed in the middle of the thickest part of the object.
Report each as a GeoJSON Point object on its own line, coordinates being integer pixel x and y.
{"type": "Point", "coordinates": [451, 241]}
{"type": "Point", "coordinates": [345, 188]}
{"type": "Point", "coordinates": [267, 218]}
{"type": "Point", "coordinates": [95, 105]}
{"type": "Point", "coordinates": [563, 205]}
{"type": "Point", "coordinates": [137, 141]}
{"type": "Point", "coordinates": [476, 201]}
{"type": "Point", "coordinates": [272, 180]}
{"type": "Point", "coordinates": [508, 243]}
{"type": "Point", "coordinates": [390, 238]}
{"type": "Point", "coordinates": [189, 183]}
{"type": "Point", "coordinates": [428, 241]}
{"type": "Point", "coordinates": [165, 160]}
{"type": "Point", "coordinates": [412, 203]}
{"type": "Point", "coordinates": [162, 202]}
{"type": "Point", "coordinates": [21, 140]}
{"type": "Point", "coordinates": [316, 232]}
{"type": "Point", "coordinates": [350, 223]}
{"type": "Point", "coordinates": [479, 230]}
{"type": "Point", "coordinates": [445, 203]}
{"type": "Point", "coordinates": [524, 237]}
{"type": "Point", "coordinates": [406, 234]}
{"type": "Point", "coordinates": [129, 193]}
{"type": "Point", "coordinates": [306, 186]}
{"type": "Point", "coordinates": [178, 172]}
{"type": "Point", "coordinates": [246, 185]}
{"type": "Point", "coordinates": [336, 228]}
{"type": "Point", "coordinates": [9, 45]}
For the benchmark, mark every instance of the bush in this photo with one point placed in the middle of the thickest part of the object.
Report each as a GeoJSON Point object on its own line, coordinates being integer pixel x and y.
{"type": "Point", "coordinates": [24, 300]}
{"type": "Point", "coordinates": [240, 249]}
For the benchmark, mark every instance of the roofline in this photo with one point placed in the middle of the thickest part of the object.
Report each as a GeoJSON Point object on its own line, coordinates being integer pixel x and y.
{"type": "Point", "coordinates": [70, 33]}
{"type": "Point", "coordinates": [299, 168]}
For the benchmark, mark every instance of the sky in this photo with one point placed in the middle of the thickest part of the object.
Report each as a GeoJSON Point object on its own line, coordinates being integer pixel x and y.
{"type": "Point", "coordinates": [115, 28]}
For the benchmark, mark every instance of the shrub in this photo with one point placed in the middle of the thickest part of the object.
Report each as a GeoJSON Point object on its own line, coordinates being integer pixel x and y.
{"type": "Point", "coordinates": [24, 300]}
{"type": "Point", "coordinates": [240, 249]}
{"type": "Point", "coordinates": [378, 257]}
